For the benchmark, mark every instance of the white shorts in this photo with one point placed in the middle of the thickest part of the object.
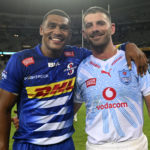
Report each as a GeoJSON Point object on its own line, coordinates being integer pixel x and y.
{"type": "Point", "coordinates": [139, 144]}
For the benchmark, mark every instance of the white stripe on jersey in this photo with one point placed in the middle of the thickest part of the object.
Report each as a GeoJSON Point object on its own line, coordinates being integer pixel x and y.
{"type": "Point", "coordinates": [45, 119]}
{"type": "Point", "coordinates": [56, 125]}
{"type": "Point", "coordinates": [53, 102]}
{"type": "Point", "coordinates": [52, 140]}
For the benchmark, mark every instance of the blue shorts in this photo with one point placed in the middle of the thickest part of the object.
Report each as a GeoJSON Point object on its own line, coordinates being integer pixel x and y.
{"type": "Point", "coordinates": [65, 145]}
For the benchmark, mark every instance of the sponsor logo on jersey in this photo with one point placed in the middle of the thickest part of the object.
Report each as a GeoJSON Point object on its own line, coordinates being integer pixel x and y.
{"type": "Point", "coordinates": [125, 76]}
{"type": "Point", "coordinates": [28, 61]}
{"type": "Point", "coordinates": [113, 105]}
{"type": "Point", "coordinates": [4, 75]}
{"type": "Point", "coordinates": [91, 82]}
{"type": "Point", "coordinates": [109, 94]}
{"type": "Point", "coordinates": [70, 68]}
{"type": "Point", "coordinates": [94, 64]}
{"type": "Point", "coordinates": [69, 53]}
{"type": "Point", "coordinates": [49, 90]}
{"type": "Point", "coordinates": [40, 76]}
{"type": "Point", "coordinates": [105, 72]}
{"type": "Point", "coordinates": [53, 64]}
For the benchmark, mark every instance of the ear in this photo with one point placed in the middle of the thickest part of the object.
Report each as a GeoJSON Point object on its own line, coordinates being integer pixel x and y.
{"type": "Point", "coordinates": [113, 28]}
{"type": "Point", "coordinates": [41, 30]}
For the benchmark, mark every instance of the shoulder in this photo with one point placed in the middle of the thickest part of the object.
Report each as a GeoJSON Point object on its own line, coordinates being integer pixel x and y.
{"type": "Point", "coordinates": [23, 54]}
{"type": "Point", "coordinates": [85, 63]}
{"type": "Point", "coordinates": [26, 52]}
{"type": "Point", "coordinates": [77, 49]}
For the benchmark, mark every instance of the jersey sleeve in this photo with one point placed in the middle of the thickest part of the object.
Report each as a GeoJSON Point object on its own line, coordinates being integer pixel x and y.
{"type": "Point", "coordinates": [78, 98]}
{"type": "Point", "coordinates": [77, 94]}
{"type": "Point", "coordinates": [121, 46]}
{"type": "Point", "coordinates": [145, 84]}
{"type": "Point", "coordinates": [84, 53]}
{"type": "Point", "coordinates": [12, 75]}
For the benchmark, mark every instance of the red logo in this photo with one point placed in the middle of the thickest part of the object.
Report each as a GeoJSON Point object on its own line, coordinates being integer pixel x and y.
{"type": "Point", "coordinates": [124, 73]}
{"type": "Point", "coordinates": [109, 93]}
{"type": "Point", "coordinates": [105, 72]}
{"type": "Point", "coordinates": [91, 82]}
{"type": "Point", "coordinates": [69, 54]}
{"type": "Point", "coordinates": [95, 65]}
{"type": "Point", "coordinates": [116, 60]}
{"type": "Point", "coordinates": [28, 61]}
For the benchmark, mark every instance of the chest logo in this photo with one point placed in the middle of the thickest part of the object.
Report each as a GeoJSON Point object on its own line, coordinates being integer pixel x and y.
{"type": "Point", "coordinates": [125, 76]}
{"type": "Point", "coordinates": [109, 93]}
{"type": "Point", "coordinates": [52, 89]}
{"type": "Point", "coordinates": [70, 68]}
{"type": "Point", "coordinates": [53, 64]}
{"type": "Point", "coordinates": [105, 72]}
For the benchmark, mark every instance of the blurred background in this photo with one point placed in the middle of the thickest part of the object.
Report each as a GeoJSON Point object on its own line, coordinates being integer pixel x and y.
{"type": "Point", "coordinates": [20, 21]}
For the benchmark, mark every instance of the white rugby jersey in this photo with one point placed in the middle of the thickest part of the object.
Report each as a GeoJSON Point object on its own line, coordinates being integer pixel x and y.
{"type": "Point", "coordinates": [114, 98]}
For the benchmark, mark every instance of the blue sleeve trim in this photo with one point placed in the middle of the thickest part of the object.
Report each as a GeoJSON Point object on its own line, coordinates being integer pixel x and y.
{"type": "Point", "coordinates": [123, 46]}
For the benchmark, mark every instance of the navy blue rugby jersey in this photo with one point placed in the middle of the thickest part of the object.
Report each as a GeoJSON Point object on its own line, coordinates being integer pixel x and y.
{"type": "Point", "coordinates": [45, 87]}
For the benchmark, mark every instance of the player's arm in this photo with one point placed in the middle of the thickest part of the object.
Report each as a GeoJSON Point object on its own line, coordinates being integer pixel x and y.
{"type": "Point", "coordinates": [7, 101]}
{"type": "Point", "coordinates": [135, 54]}
{"type": "Point", "coordinates": [147, 101]}
{"type": "Point", "coordinates": [76, 107]}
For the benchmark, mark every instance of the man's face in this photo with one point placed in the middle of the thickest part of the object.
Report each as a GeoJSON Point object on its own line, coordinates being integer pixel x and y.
{"type": "Point", "coordinates": [98, 29]}
{"type": "Point", "coordinates": [55, 32]}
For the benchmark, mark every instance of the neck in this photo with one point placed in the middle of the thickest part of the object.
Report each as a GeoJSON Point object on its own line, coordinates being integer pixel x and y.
{"type": "Point", "coordinates": [50, 52]}
{"type": "Point", "coordinates": [107, 53]}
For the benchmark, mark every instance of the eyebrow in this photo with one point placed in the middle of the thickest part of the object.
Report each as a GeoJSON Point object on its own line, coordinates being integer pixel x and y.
{"type": "Point", "coordinates": [50, 22]}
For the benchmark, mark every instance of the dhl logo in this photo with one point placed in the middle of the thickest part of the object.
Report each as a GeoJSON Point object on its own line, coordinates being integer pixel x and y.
{"type": "Point", "coordinates": [50, 90]}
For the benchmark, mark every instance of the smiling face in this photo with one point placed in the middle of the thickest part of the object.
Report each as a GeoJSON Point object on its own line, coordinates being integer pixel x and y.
{"type": "Point", "coordinates": [98, 29]}
{"type": "Point", "coordinates": [55, 32]}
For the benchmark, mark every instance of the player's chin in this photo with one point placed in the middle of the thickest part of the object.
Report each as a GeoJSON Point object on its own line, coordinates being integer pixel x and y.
{"type": "Point", "coordinates": [57, 47]}
{"type": "Point", "coordinates": [96, 43]}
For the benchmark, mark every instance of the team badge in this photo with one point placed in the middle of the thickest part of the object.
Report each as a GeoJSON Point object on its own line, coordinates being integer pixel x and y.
{"type": "Point", "coordinates": [125, 76]}
{"type": "Point", "coordinates": [70, 68]}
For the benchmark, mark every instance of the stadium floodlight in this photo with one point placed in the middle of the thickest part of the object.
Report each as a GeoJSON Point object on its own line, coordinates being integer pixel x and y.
{"type": "Point", "coordinates": [6, 53]}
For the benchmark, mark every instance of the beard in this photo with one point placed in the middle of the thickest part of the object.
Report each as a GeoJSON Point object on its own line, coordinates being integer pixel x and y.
{"type": "Point", "coordinates": [100, 47]}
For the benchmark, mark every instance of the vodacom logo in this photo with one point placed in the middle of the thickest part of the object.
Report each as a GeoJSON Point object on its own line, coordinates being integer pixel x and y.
{"type": "Point", "coordinates": [109, 93]}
